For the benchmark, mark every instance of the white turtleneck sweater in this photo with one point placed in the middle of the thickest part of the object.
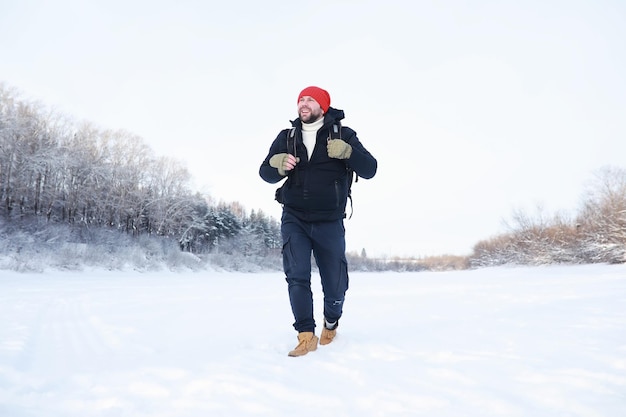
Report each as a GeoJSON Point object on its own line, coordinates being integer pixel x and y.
{"type": "Point", "coordinates": [309, 134]}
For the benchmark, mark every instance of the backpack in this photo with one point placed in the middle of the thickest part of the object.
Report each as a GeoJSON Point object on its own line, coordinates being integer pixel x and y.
{"type": "Point", "coordinates": [335, 133]}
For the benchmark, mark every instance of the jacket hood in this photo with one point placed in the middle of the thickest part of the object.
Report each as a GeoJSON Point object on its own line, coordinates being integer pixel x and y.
{"type": "Point", "coordinates": [333, 115]}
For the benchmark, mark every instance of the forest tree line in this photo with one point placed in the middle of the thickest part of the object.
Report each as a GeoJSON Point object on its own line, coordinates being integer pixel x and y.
{"type": "Point", "coordinates": [53, 171]}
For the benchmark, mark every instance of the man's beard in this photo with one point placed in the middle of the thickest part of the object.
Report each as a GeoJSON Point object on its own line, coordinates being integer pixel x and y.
{"type": "Point", "coordinates": [312, 117]}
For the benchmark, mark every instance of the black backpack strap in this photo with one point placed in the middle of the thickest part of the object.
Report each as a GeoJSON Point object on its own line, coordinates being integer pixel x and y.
{"type": "Point", "coordinates": [291, 135]}
{"type": "Point", "coordinates": [335, 133]}
{"type": "Point", "coordinates": [291, 145]}
{"type": "Point", "coordinates": [292, 148]}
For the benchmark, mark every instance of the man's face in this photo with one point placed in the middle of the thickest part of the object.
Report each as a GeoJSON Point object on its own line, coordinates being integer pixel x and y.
{"type": "Point", "coordinates": [309, 110]}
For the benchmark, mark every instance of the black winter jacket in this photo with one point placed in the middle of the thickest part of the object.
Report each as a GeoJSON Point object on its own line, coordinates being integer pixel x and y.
{"type": "Point", "coordinates": [317, 189]}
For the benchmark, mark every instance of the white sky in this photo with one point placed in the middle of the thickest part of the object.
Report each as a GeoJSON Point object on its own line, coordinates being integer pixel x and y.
{"type": "Point", "coordinates": [473, 109]}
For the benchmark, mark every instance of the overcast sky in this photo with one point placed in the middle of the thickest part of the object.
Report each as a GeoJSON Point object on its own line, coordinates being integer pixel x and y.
{"type": "Point", "coordinates": [473, 109]}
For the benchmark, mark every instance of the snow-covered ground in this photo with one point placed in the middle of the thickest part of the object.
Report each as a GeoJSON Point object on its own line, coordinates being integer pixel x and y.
{"type": "Point", "coordinates": [546, 341]}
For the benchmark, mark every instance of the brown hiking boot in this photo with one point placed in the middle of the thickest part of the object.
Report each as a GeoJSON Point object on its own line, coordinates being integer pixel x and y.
{"type": "Point", "coordinates": [329, 331]}
{"type": "Point", "coordinates": [327, 336]}
{"type": "Point", "coordinates": [307, 343]}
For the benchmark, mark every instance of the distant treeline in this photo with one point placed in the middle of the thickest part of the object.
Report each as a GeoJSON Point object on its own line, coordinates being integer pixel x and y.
{"type": "Point", "coordinates": [55, 172]}
{"type": "Point", "coordinates": [595, 234]}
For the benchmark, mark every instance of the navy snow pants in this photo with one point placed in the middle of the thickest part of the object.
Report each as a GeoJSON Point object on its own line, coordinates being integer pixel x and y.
{"type": "Point", "coordinates": [327, 242]}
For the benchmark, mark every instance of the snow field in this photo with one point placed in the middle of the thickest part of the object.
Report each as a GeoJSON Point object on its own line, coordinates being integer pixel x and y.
{"type": "Point", "coordinates": [541, 341]}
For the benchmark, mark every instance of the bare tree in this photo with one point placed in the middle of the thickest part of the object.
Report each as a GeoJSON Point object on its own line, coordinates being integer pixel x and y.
{"type": "Point", "coordinates": [602, 220]}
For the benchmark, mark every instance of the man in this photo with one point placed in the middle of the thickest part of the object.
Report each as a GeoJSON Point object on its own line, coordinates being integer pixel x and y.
{"type": "Point", "coordinates": [318, 157]}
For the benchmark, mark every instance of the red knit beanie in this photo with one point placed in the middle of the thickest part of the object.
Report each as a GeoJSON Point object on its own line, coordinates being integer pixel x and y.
{"type": "Point", "coordinates": [321, 96]}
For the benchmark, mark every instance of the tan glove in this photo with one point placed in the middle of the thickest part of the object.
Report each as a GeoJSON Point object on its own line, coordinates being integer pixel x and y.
{"type": "Point", "coordinates": [283, 162]}
{"type": "Point", "coordinates": [339, 149]}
